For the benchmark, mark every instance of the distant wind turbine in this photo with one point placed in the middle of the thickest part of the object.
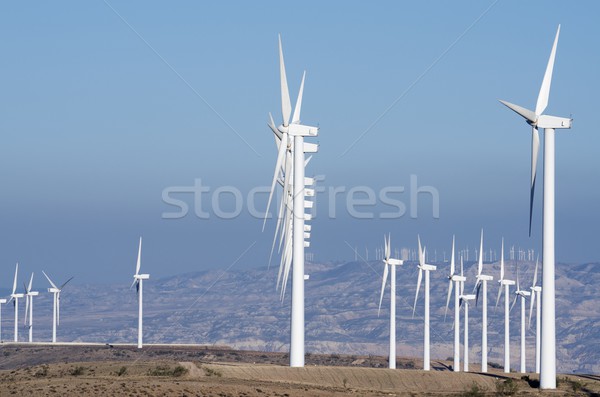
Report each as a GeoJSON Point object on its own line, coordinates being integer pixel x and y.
{"type": "Point", "coordinates": [2, 302]}
{"type": "Point", "coordinates": [465, 299]}
{"type": "Point", "coordinates": [549, 123]}
{"type": "Point", "coordinates": [423, 267]}
{"type": "Point", "coordinates": [55, 291]}
{"type": "Point", "coordinates": [138, 281]}
{"type": "Point", "coordinates": [482, 281]}
{"type": "Point", "coordinates": [29, 294]}
{"type": "Point", "coordinates": [455, 279]}
{"type": "Point", "coordinates": [506, 284]}
{"type": "Point", "coordinates": [523, 294]}
{"type": "Point", "coordinates": [391, 263]}
{"type": "Point", "coordinates": [535, 293]}
{"type": "Point", "coordinates": [14, 296]}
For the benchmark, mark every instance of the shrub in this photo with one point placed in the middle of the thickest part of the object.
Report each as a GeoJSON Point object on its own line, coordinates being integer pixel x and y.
{"type": "Point", "coordinates": [507, 387]}
{"type": "Point", "coordinates": [212, 372]}
{"type": "Point", "coordinates": [76, 371]}
{"type": "Point", "coordinates": [122, 371]}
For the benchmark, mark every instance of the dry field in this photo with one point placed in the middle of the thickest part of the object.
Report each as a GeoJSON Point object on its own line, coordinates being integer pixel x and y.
{"type": "Point", "coordinates": [41, 370]}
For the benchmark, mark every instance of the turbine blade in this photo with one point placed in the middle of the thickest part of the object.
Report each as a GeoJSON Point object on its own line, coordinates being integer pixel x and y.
{"type": "Point", "coordinates": [421, 254]}
{"type": "Point", "coordinates": [15, 281]}
{"type": "Point", "coordinates": [526, 113]}
{"type": "Point", "coordinates": [537, 261]}
{"type": "Point", "coordinates": [65, 283]}
{"type": "Point", "coordinates": [26, 309]}
{"type": "Point", "coordinates": [480, 263]}
{"type": "Point", "coordinates": [448, 297]}
{"type": "Point", "coordinates": [542, 101]}
{"type": "Point", "coordinates": [535, 147]}
{"type": "Point", "coordinates": [477, 294]}
{"type": "Point", "coordinates": [273, 128]}
{"type": "Point", "coordinates": [139, 258]}
{"type": "Point", "coordinates": [531, 307]}
{"type": "Point", "coordinates": [30, 283]}
{"type": "Point", "coordinates": [286, 106]}
{"type": "Point", "coordinates": [499, 294]}
{"type": "Point", "coordinates": [417, 293]}
{"type": "Point", "coordinates": [383, 282]}
{"type": "Point", "coordinates": [513, 304]}
{"type": "Point", "coordinates": [502, 262]}
{"type": "Point", "coordinates": [280, 156]}
{"type": "Point", "coordinates": [452, 266]}
{"type": "Point", "coordinates": [50, 281]}
{"type": "Point", "coordinates": [298, 108]}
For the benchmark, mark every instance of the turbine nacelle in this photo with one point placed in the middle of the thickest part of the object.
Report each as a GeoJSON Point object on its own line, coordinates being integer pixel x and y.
{"type": "Point", "coordinates": [141, 276]}
{"type": "Point", "coordinates": [427, 267]}
{"type": "Point", "coordinates": [539, 121]}
{"type": "Point", "coordinates": [299, 130]}
{"type": "Point", "coordinates": [483, 277]}
{"type": "Point", "coordinates": [53, 290]}
{"type": "Point", "coordinates": [507, 282]}
{"type": "Point", "coordinates": [3, 301]}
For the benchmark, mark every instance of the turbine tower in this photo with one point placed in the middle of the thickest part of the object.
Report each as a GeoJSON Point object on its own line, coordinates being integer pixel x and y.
{"type": "Point", "coordinates": [29, 294]}
{"type": "Point", "coordinates": [506, 284]}
{"type": "Point", "coordinates": [423, 267]}
{"type": "Point", "coordinates": [482, 281]}
{"type": "Point", "coordinates": [549, 123]}
{"type": "Point", "coordinates": [55, 291]}
{"type": "Point", "coordinates": [465, 298]}
{"type": "Point", "coordinates": [138, 281]}
{"type": "Point", "coordinates": [535, 293]}
{"type": "Point", "coordinates": [455, 279]}
{"type": "Point", "coordinates": [15, 298]}
{"type": "Point", "coordinates": [523, 294]}
{"type": "Point", "coordinates": [2, 301]}
{"type": "Point", "coordinates": [391, 263]}
{"type": "Point", "coordinates": [290, 138]}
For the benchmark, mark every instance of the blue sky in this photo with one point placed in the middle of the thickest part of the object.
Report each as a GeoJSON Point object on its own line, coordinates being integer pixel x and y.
{"type": "Point", "coordinates": [96, 121]}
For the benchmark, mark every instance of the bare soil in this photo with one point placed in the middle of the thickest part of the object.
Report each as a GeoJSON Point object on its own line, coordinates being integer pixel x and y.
{"type": "Point", "coordinates": [80, 370]}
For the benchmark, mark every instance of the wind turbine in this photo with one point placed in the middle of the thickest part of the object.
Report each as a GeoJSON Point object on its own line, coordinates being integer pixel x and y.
{"type": "Point", "coordinates": [15, 298]}
{"type": "Point", "coordinates": [465, 298]}
{"type": "Point", "coordinates": [455, 279]}
{"type": "Point", "coordinates": [482, 281]}
{"type": "Point", "coordinates": [138, 281]}
{"type": "Point", "coordinates": [523, 294]}
{"type": "Point", "coordinates": [29, 294]}
{"type": "Point", "coordinates": [423, 267]}
{"type": "Point", "coordinates": [55, 291]}
{"type": "Point", "coordinates": [536, 292]}
{"type": "Point", "coordinates": [549, 123]}
{"type": "Point", "coordinates": [291, 140]}
{"type": "Point", "coordinates": [506, 284]}
{"type": "Point", "coordinates": [391, 263]}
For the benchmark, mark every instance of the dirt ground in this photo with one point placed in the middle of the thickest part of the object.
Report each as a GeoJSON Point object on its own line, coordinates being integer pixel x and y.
{"type": "Point", "coordinates": [219, 371]}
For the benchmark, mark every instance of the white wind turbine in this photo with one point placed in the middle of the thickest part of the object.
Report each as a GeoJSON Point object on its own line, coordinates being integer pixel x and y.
{"type": "Point", "coordinates": [55, 291]}
{"type": "Point", "coordinates": [29, 294]}
{"type": "Point", "coordinates": [391, 263]}
{"type": "Point", "coordinates": [15, 298]}
{"type": "Point", "coordinates": [482, 280]}
{"type": "Point", "coordinates": [549, 123]}
{"type": "Point", "coordinates": [506, 284]}
{"type": "Point", "coordinates": [465, 298]}
{"type": "Point", "coordinates": [290, 138]}
{"type": "Point", "coordinates": [536, 291]}
{"type": "Point", "coordinates": [138, 281]}
{"type": "Point", "coordinates": [523, 294]}
{"type": "Point", "coordinates": [423, 267]}
{"type": "Point", "coordinates": [455, 279]}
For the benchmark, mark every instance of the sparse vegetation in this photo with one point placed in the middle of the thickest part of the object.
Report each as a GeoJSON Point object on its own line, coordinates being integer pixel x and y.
{"type": "Point", "coordinates": [474, 391]}
{"type": "Point", "coordinates": [533, 383]}
{"type": "Point", "coordinates": [507, 387]}
{"type": "Point", "coordinates": [166, 370]}
{"type": "Point", "coordinates": [77, 371]}
{"type": "Point", "coordinates": [212, 372]}
{"type": "Point", "coordinates": [122, 371]}
{"type": "Point", "coordinates": [345, 383]}
{"type": "Point", "coordinates": [41, 372]}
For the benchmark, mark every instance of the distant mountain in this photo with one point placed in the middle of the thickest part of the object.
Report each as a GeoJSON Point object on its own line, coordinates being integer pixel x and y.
{"type": "Point", "coordinates": [242, 309]}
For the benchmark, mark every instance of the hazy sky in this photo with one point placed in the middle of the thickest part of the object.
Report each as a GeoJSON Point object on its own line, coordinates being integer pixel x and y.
{"type": "Point", "coordinates": [104, 105]}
